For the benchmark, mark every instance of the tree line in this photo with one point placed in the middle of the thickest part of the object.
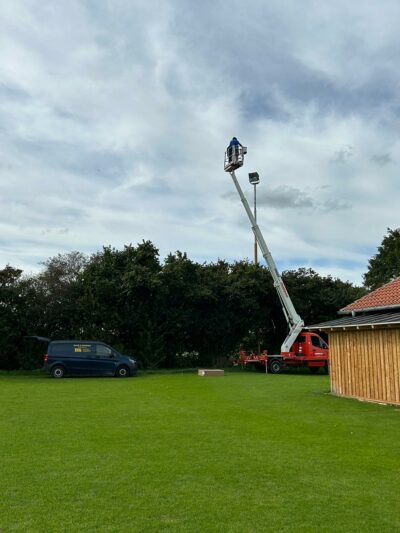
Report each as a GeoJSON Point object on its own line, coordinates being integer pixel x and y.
{"type": "Point", "coordinates": [170, 313]}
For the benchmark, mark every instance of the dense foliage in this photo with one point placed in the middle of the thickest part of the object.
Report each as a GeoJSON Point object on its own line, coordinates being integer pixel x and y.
{"type": "Point", "coordinates": [175, 313]}
{"type": "Point", "coordinates": [385, 264]}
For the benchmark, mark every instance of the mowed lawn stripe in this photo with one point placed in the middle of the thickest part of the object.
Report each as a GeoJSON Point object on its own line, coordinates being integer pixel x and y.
{"type": "Point", "coordinates": [176, 452]}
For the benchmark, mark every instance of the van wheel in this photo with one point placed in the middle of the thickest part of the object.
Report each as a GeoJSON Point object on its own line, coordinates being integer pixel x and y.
{"type": "Point", "coordinates": [275, 367]}
{"type": "Point", "coordinates": [313, 369]}
{"type": "Point", "coordinates": [58, 371]}
{"type": "Point", "coordinates": [122, 372]}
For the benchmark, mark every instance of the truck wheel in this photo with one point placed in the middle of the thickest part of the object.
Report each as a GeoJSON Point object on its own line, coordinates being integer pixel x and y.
{"type": "Point", "coordinates": [313, 369]}
{"type": "Point", "coordinates": [122, 372]}
{"type": "Point", "coordinates": [58, 371]}
{"type": "Point", "coordinates": [326, 368]}
{"type": "Point", "coordinates": [275, 367]}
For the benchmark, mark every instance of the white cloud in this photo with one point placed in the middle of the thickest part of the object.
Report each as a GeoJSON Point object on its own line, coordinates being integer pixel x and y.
{"type": "Point", "coordinates": [114, 118]}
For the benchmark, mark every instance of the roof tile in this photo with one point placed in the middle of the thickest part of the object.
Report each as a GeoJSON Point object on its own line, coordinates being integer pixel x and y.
{"type": "Point", "coordinates": [386, 296]}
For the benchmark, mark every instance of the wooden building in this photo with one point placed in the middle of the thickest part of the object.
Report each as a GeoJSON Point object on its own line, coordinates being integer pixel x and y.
{"type": "Point", "coordinates": [364, 347]}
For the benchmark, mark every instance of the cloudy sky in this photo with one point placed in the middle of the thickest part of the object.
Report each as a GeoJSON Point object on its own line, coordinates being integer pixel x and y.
{"type": "Point", "coordinates": [115, 114]}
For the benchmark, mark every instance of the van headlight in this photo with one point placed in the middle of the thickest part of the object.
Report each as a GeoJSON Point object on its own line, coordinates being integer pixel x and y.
{"type": "Point", "coordinates": [132, 361]}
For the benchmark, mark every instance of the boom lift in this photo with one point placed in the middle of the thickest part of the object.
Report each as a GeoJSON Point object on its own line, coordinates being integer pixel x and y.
{"type": "Point", "coordinates": [296, 349]}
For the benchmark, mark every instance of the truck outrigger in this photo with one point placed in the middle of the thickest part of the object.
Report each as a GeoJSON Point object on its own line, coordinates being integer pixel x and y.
{"type": "Point", "coordinates": [300, 348]}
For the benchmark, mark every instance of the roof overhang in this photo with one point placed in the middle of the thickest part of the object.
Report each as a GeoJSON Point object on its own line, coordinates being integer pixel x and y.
{"type": "Point", "coordinates": [377, 321]}
{"type": "Point", "coordinates": [354, 327]}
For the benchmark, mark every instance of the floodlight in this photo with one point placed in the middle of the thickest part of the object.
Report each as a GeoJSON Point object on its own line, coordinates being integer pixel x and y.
{"type": "Point", "coordinates": [254, 178]}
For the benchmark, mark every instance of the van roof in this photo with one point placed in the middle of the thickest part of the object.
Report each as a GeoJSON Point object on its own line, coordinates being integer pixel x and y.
{"type": "Point", "coordinates": [77, 341]}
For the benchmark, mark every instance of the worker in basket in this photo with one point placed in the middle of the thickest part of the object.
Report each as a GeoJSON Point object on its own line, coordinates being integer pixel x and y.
{"type": "Point", "coordinates": [234, 155]}
{"type": "Point", "coordinates": [233, 149]}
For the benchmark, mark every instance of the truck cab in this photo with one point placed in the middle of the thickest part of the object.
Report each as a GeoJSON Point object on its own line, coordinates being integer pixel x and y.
{"type": "Point", "coordinates": [309, 345]}
{"type": "Point", "coordinates": [309, 350]}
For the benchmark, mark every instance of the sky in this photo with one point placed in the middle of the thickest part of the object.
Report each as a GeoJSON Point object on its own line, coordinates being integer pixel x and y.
{"type": "Point", "coordinates": [115, 115]}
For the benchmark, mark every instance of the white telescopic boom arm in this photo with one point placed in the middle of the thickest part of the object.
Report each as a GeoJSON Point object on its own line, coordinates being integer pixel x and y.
{"type": "Point", "coordinates": [294, 320]}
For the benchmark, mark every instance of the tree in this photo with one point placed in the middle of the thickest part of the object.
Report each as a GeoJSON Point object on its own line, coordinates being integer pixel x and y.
{"type": "Point", "coordinates": [318, 298]}
{"type": "Point", "coordinates": [122, 303]}
{"type": "Point", "coordinates": [58, 291]}
{"type": "Point", "coordinates": [214, 333]}
{"type": "Point", "coordinates": [51, 306]}
{"type": "Point", "coordinates": [257, 318]}
{"type": "Point", "coordinates": [172, 314]}
{"type": "Point", "coordinates": [11, 311]}
{"type": "Point", "coordinates": [180, 282]}
{"type": "Point", "coordinates": [384, 266]}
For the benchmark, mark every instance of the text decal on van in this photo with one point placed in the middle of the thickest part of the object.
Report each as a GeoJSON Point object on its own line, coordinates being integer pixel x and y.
{"type": "Point", "coordinates": [85, 348]}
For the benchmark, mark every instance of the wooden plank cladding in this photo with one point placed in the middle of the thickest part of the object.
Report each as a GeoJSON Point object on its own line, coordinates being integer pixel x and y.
{"type": "Point", "coordinates": [365, 364]}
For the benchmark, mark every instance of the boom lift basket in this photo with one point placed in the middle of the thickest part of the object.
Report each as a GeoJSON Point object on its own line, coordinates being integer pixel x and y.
{"type": "Point", "coordinates": [234, 157]}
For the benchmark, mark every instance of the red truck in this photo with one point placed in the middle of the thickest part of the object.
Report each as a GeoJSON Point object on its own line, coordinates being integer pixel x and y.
{"type": "Point", "coordinates": [300, 348]}
{"type": "Point", "coordinates": [309, 350]}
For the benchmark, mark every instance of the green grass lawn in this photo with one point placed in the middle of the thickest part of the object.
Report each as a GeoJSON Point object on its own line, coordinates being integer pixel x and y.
{"type": "Point", "coordinates": [176, 452]}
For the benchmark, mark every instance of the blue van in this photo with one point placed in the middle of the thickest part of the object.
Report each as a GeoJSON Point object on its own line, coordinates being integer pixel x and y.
{"type": "Point", "coordinates": [89, 358]}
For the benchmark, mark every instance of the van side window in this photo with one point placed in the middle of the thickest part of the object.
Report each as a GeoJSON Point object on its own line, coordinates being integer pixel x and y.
{"type": "Point", "coordinates": [61, 348]}
{"type": "Point", "coordinates": [81, 349]}
{"type": "Point", "coordinates": [103, 351]}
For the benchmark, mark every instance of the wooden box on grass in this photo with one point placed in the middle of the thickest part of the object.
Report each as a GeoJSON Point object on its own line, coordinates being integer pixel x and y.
{"type": "Point", "coordinates": [205, 372]}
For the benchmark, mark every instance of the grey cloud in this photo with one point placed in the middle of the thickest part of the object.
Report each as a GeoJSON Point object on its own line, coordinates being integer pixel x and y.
{"type": "Point", "coordinates": [342, 155]}
{"type": "Point", "coordinates": [335, 204]}
{"type": "Point", "coordinates": [13, 93]}
{"type": "Point", "coordinates": [255, 104]}
{"type": "Point", "coordinates": [265, 60]}
{"type": "Point", "coordinates": [67, 214]}
{"type": "Point", "coordinates": [285, 197]}
{"type": "Point", "coordinates": [381, 159]}
{"type": "Point", "coordinates": [117, 129]}
{"type": "Point", "coordinates": [54, 230]}
{"type": "Point", "coordinates": [78, 160]}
